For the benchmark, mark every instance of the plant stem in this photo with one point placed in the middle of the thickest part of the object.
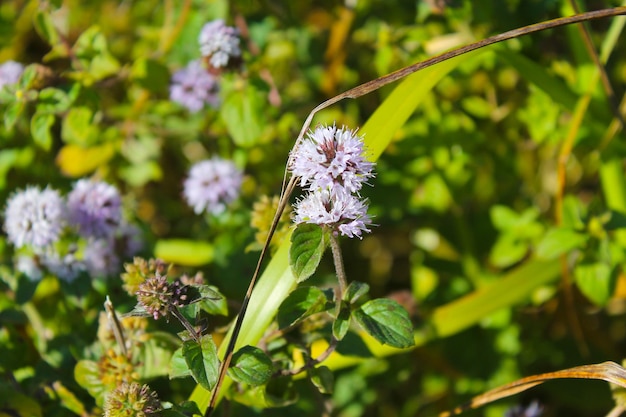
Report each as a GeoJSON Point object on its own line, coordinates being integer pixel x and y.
{"type": "Point", "coordinates": [339, 268]}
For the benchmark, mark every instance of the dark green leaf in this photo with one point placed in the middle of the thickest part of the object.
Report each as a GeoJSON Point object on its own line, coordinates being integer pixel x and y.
{"type": "Point", "coordinates": [353, 345]}
{"type": "Point", "coordinates": [151, 75]}
{"type": "Point", "coordinates": [300, 304]}
{"type": "Point", "coordinates": [40, 125]}
{"type": "Point", "coordinates": [184, 409]}
{"type": "Point", "coordinates": [617, 221]}
{"type": "Point", "coordinates": [279, 392]}
{"type": "Point", "coordinates": [355, 291]}
{"type": "Point", "coordinates": [342, 322]}
{"type": "Point", "coordinates": [202, 360]}
{"type": "Point", "coordinates": [250, 365]}
{"type": "Point", "coordinates": [323, 379]}
{"type": "Point", "coordinates": [209, 299]}
{"type": "Point", "coordinates": [307, 248]}
{"type": "Point", "coordinates": [387, 322]}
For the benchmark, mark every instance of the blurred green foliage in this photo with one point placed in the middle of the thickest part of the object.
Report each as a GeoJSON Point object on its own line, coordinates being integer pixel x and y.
{"type": "Point", "coordinates": [508, 164]}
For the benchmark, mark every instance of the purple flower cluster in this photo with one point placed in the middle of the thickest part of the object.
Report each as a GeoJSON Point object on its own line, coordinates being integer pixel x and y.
{"type": "Point", "coordinates": [10, 73]}
{"type": "Point", "coordinates": [39, 220]}
{"type": "Point", "coordinates": [332, 167]}
{"type": "Point", "coordinates": [35, 217]}
{"type": "Point", "coordinates": [212, 184]}
{"type": "Point", "coordinates": [219, 43]}
{"type": "Point", "coordinates": [194, 87]}
{"type": "Point", "coordinates": [95, 208]}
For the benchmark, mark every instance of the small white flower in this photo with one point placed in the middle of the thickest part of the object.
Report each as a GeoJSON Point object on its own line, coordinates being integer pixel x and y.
{"type": "Point", "coordinates": [219, 42]}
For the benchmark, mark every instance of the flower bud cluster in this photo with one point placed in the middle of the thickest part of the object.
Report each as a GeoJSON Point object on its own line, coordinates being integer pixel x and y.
{"type": "Point", "coordinates": [159, 297]}
{"type": "Point", "coordinates": [331, 165]}
{"type": "Point", "coordinates": [132, 399]}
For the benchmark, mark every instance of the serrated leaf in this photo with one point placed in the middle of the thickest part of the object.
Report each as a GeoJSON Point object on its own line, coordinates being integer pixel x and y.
{"type": "Point", "coordinates": [595, 280]}
{"type": "Point", "coordinates": [184, 252]}
{"type": "Point", "coordinates": [386, 321]}
{"type": "Point", "coordinates": [40, 126]}
{"type": "Point", "coordinates": [250, 365]}
{"type": "Point", "coordinates": [202, 360]}
{"type": "Point", "coordinates": [323, 379]}
{"type": "Point", "coordinates": [307, 248]}
{"type": "Point", "coordinates": [558, 241]}
{"type": "Point", "coordinates": [355, 291]}
{"type": "Point", "coordinates": [178, 367]}
{"type": "Point", "coordinates": [342, 322]}
{"type": "Point", "coordinates": [300, 304]}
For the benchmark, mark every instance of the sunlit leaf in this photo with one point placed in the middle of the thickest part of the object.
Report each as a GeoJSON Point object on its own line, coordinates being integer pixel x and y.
{"type": "Point", "coordinates": [300, 304]}
{"type": "Point", "coordinates": [387, 321]}
{"type": "Point", "coordinates": [184, 251]}
{"type": "Point", "coordinates": [202, 360]}
{"type": "Point", "coordinates": [250, 365]}
{"type": "Point", "coordinates": [306, 251]}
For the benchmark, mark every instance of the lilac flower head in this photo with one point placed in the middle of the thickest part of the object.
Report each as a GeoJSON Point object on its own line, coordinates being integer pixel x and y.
{"type": "Point", "coordinates": [100, 257]}
{"type": "Point", "coordinates": [10, 73]}
{"type": "Point", "coordinates": [330, 158]}
{"type": "Point", "coordinates": [95, 208]}
{"type": "Point", "coordinates": [212, 184]}
{"type": "Point", "coordinates": [194, 87]}
{"type": "Point", "coordinates": [65, 266]}
{"type": "Point", "coordinates": [340, 210]}
{"type": "Point", "coordinates": [35, 217]}
{"type": "Point", "coordinates": [219, 43]}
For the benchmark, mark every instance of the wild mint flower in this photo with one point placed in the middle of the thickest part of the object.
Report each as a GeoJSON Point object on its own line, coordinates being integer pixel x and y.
{"type": "Point", "coordinates": [219, 43]}
{"type": "Point", "coordinates": [95, 208]}
{"type": "Point", "coordinates": [211, 185]}
{"type": "Point", "coordinates": [194, 87]}
{"type": "Point", "coordinates": [66, 266]}
{"type": "Point", "coordinates": [10, 73]}
{"type": "Point", "coordinates": [339, 210]}
{"type": "Point", "coordinates": [100, 257]}
{"type": "Point", "coordinates": [35, 217]}
{"type": "Point", "coordinates": [329, 158]}
{"type": "Point", "coordinates": [132, 399]}
{"type": "Point", "coordinates": [29, 266]}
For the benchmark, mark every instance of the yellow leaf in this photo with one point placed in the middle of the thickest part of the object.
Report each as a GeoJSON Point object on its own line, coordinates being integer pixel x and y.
{"type": "Point", "coordinates": [75, 161]}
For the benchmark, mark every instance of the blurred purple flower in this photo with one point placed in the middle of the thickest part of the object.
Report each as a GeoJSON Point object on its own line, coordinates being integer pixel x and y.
{"type": "Point", "coordinates": [10, 73]}
{"type": "Point", "coordinates": [534, 409]}
{"type": "Point", "coordinates": [100, 258]}
{"type": "Point", "coordinates": [330, 158]}
{"type": "Point", "coordinates": [35, 217]}
{"type": "Point", "coordinates": [65, 266]}
{"type": "Point", "coordinates": [193, 87]}
{"type": "Point", "coordinates": [219, 42]}
{"type": "Point", "coordinates": [130, 239]}
{"type": "Point", "coordinates": [95, 208]}
{"type": "Point", "coordinates": [340, 210]}
{"type": "Point", "coordinates": [212, 184]}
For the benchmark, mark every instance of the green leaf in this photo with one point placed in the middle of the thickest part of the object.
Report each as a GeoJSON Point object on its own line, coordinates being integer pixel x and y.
{"type": "Point", "coordinates": [87, 375]}
{"type": "Point", "coordinates": [150, 74]}
{"type": "Point", "coordinates": [300, 304]}
{"type": "Point", "coordinates": [595, 280]}
{"type": "Point", "coordinates": [558, 241]}
{"type": "Point", "coordinates": [10, 158]}
{"type": "Point", "coordinates": [184, 252]}
{"type": "Point", "coordinates": [507, 251]}
{"type": "Point", "coordinates": [323, 379]}
{"type": "Point", "coordinates": [42, 21]}
{"type": "Point", "coordinates": [40, 126]}
{"type": "Point", "coordinates": [77, 127]}
{"type": "Point", "coordinates": [53, 100]}
{"type": "Point", "coordinates": [12, 113]}
{"type": "Point", "coordinates": [387, 322]}
{"type": "Point", "coordinates": [207, 298]}
{"type": "Point", "coordinates": [307, 248]}
{"type": "Point", "coordinates": [279, 392]}
{"type": "Point", "coordinates": [184, 409]}
{"type": "Point", "coordinates": [92, 52]}
{"type": "Point", "coordinates": [342, 322]}
{"type": "Point", "coordinates": [250, 365]}
{"type": "Point", "coordinates": [178, 365]}
{"type": "Point", "coordinates": [355, 291]}
{"type": "Point", "coordinates": [243, 113]}
{"type": "Point", "coordinates": [202, 361]}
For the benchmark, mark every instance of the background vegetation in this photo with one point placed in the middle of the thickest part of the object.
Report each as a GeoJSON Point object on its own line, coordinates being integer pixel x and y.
{"type": "Point", "coordinates": [500, 204]}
